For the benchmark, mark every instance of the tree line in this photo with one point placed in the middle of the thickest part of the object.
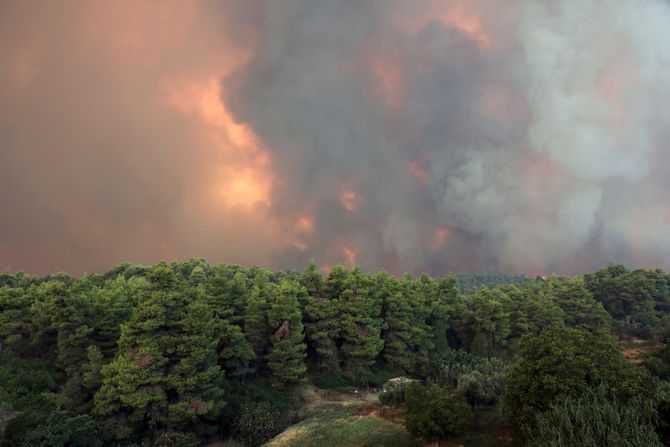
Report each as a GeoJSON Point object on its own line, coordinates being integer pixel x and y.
{"type": "Point", "coordinates": [182, 353]}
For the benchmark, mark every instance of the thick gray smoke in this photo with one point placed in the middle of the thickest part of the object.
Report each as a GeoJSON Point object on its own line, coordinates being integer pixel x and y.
{"type": "Point", "coordinates": [466, 135]}
{"type": "Point", "coordinates": [541, 128]}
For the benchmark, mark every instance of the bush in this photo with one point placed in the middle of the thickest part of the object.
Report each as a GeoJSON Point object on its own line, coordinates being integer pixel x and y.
{"type": "Point", "coordinates": [434, 413]}
{"type": "Point", "coordinates": [481, 389]}
{"type": "Point", "coordinates": [393, 391]}
{"type": "Point", "coordinates": [479, 380]}
{"type": "Point", "coordinates": [594, 420]}
{"type": "Point", "coordinates": [257, 424]}
{"type": "Point", "coordinates": [562, 363]}
{"type": "Point", "coordinates": [63, 430]}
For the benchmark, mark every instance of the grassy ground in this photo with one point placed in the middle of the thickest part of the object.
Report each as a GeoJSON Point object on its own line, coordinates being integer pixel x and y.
{"type": "Point", "coordinates": [339, 419]}
{"type": "Point", "coordinates": [334, 419]}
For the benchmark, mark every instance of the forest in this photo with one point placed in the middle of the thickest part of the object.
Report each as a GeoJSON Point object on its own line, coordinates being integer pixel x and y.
{"type": "Point", "coordinates": [188, 353]}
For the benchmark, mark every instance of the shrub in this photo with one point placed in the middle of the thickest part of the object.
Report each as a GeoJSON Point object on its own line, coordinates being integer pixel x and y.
{"type": "Point", "coordinates": [481, 389]}
{"type": "Point", "coordinates": [434, 413]}
{"type": "Point", "coordinates": [393, 391]}
{"type": "Point", "coordinates": [63, 430]}
{"type": "Point", "coordinates": [593, 420]}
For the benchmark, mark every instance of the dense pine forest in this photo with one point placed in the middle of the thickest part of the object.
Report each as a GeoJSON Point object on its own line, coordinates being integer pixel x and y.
{"type": "Point", "coordinates": [187, 353]}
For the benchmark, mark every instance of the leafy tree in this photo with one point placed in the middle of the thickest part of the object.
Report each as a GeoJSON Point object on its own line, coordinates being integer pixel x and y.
{"type": "Point", "coordinates": [435, 413]}
{"type": "Point", "coordinates": [632, 297]}
{"type": "Point", "coordinates": [530, 308]}
{"type": "Point", "coordinates": [579, 307]}
{"type": "Point", "coordinates": [561, 363]}
{"type": "Point", "coordinates": [393, 391]}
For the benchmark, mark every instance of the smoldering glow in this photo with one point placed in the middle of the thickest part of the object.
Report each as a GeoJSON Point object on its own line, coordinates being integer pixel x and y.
{"type": "Point", "coordinates": [248, 182]}
{"type": "Point", "coordinates": [460, 16]}
{"type": "Point", "coordinates": [388, 83]}
{"type": "Point", "coordinates": [305, 224]}
{"type": "Point", "coordinates": [349, 254]}
{"type": "Point", "coordinates": [439, 238]}
{"type": "Point", "coordinates": [420, 173]}
{"type": "Point", "coordinates": [349, 198]}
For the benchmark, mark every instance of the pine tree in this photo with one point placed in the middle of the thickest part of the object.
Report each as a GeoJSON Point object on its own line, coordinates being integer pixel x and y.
{"type": "Point", "coordinates": [320, 320]}
{"type": "Point", "coordinates": [397, 314]}
{"type": "Point", "coordinates": [194, 378]}
{"type": "Point", "coordinates": [323, 331]}
{"type": "Point", "coordinates": [485, 325]}
{"type": "Point", "coordinates": [360, 322]}
{"type": "Point", "coordinates": [256, 326]}
{"type": "Point", "coordinates": [166, 373]}
{"type": "Point", "coordinates": [287, 353]}
{"type": "Point", "coordinates": [15, 320]}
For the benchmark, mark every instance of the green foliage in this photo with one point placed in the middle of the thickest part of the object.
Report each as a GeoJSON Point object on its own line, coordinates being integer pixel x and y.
{"type": "Point", "coordinates": [468, 284]}
{"type": "Point", "coordinates": [478, 380]}
{"type": "Point", "coordinates": [434, 413]}
{"type": "Point", "coordinates": [485, 325]}
{"type": "Point", "coordinates": [23, 381]}
{"type": "Point", "coordinates": [635, 299]}
{"type": "Point", "coordinates": [393, 391]}
{"type": "Point", "coordinates": [360, 323]}
{"type": "Point", "coordinates": [594, 420]}
{"type": "Point", "coordinates": [338, 426]}
{"type": "Point", "coordinates": [166, 374]}
{"type": "Point", "coordinates": [562, 363]}
{"type": "Point", "coordinates": [63, 430]}
{"type": "Point", "coordinates": [167, 351]}
{"type": "Point", "coordinates": [287, 352]}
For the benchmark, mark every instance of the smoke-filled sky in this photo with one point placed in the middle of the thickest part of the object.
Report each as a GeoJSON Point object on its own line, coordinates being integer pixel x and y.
{"type": "Point", "coordinates": [521, 136]}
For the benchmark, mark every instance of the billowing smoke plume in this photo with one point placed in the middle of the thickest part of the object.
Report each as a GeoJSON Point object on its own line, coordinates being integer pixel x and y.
{"type": "Point", "coordinates": [469, 135]}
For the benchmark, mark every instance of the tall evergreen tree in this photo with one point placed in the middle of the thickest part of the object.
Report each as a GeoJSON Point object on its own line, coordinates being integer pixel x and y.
{"type": "Point", "coordinates": [166, 373]}
{"type": "Point", "coordinates": [287, 352]}
{"type": "Point", "coordinates": [360, 323]}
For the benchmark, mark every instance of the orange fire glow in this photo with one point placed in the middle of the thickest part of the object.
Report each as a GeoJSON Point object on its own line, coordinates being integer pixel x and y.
{"type": "Point", "coordinates": [389, 83]}
{"type": "Point", "coordinates": [460, 15]}
{"type": "Point", "coordinates": [440, 237]}
{"type": "Point", "coordinates": [350, 254]}
{"type": "Point", "coordinates": [349, 198]}
{"type": "Point", "coordinates": [420, 173]}
{"type": "Point", "coordinates": [247, 177]}
{"type": "Point", "coordinates": [305, 224]}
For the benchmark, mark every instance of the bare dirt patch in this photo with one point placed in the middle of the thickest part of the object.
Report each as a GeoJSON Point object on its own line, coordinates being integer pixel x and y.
{"type": "Point", "coordinates": [637, 350]}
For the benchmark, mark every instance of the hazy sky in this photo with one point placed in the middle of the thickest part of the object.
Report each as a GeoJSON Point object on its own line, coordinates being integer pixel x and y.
{"type": "Point", "coordinates": [524, 136]}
